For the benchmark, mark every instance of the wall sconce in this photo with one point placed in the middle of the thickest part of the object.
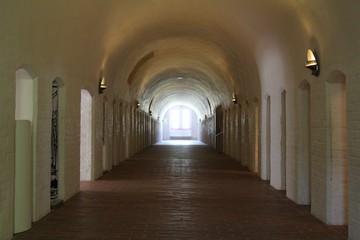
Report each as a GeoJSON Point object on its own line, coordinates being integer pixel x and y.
{"type": "Point", "coordinates": [150, 113]}
{"type": "Point", "coordinates": [234, 99]}
{"type": "Point", "coordinates": [137, 104]}
{"type": "Point", "coordinates": [312, 63]}
{"type": "Point", "coordinates": [102, 85]}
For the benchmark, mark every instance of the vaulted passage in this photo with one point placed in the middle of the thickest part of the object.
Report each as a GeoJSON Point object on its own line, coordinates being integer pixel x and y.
{"type": "Point", "coordinates": [180, 192]}
{"type": "Point", "coordinates": [87, 86]}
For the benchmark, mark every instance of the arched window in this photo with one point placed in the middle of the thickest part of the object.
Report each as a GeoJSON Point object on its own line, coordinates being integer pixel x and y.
{"type": "Point", "coordinates": [180, 118]}
{"type": "Point", "coordinates": [180, 123]}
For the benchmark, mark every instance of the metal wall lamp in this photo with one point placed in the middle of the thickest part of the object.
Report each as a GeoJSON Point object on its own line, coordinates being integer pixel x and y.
{"type": "Point", "coordinates": [102, 85]}
{"type": "Point", "coordinates": [312, 63]}
{"type": "Point", "coordinates": [234, 99]}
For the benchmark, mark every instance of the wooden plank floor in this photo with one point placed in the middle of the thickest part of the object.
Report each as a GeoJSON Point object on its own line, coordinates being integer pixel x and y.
{"type": "Point", "coordinates": [180, 192]}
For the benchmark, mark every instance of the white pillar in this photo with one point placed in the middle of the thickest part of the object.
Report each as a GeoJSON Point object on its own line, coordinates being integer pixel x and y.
{"type": "Point", "coordinates": [23, 177]}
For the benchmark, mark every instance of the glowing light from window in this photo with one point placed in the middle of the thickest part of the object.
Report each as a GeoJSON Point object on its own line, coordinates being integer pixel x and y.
{"type": "Point", "coordinates": [186, 119]}
{"type": "Point", "coordinates": [180, 118]}
{"type": "Point", "coordinates": [175, 119]}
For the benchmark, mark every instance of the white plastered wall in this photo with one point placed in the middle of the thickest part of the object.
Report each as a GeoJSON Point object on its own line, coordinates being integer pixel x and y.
{"type": "Point", "coordinates": [273, 75]}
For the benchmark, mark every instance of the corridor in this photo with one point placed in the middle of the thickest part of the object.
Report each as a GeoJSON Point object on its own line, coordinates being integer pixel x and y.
{"type": "Point", "coordinates": [180, 192]}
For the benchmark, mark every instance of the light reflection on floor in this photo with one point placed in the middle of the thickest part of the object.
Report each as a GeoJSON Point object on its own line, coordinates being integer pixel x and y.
{"type": "Point", "coordinates": [180, 142]}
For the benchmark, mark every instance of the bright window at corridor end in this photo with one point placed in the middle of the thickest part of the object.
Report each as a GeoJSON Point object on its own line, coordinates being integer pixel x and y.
{"type": "Point", "coordinates": [180, 118]}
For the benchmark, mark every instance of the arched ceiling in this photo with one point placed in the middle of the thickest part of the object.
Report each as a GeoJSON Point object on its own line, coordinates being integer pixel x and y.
{"type": "Point", "coordinates": [194, 52]}
{"type": "Point", "coordinates": [218, 47]}
{"type": "Point", "coordinates": [185, 62]}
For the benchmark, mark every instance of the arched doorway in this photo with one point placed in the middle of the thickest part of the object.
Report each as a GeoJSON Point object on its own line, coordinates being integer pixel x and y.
{"type": "Point", "coordinates": [283, 140]}
{"type": "Point", "coordinates": [25, 136]}
{"type": "Point", "coordinates": [239, 134]}
{"type": "Point", "coordinates": [256, 136]}
{"type": "Point", "coordinates": [268, 139]}
{"type": "Point", "coordinates": [57, 147]}
{"type": "Point", "coordinates": [86, 156]}
{"type": "Point", "coordinates": [247, 130]}
{"type": "Point", "coordinates": [304, 135]}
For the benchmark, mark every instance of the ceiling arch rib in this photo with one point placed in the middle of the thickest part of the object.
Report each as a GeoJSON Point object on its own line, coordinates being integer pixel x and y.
{"type": "Point", "coordinates": [187, 85]}
{"type": "Point", "coordinates": [184, 84]}
{"type": "Point", "coordinates": [175, 66]}
{"type": "Point", "coordinates": [190, 65]}
{"type": "Point", "coordinates": [183, 92]}
{"type": "Point", "coordinates": [169, 100]}
{"type": "Point", "coordinates": [206, 54]}
{"type": "Point", "coordinates": [138, 65]}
